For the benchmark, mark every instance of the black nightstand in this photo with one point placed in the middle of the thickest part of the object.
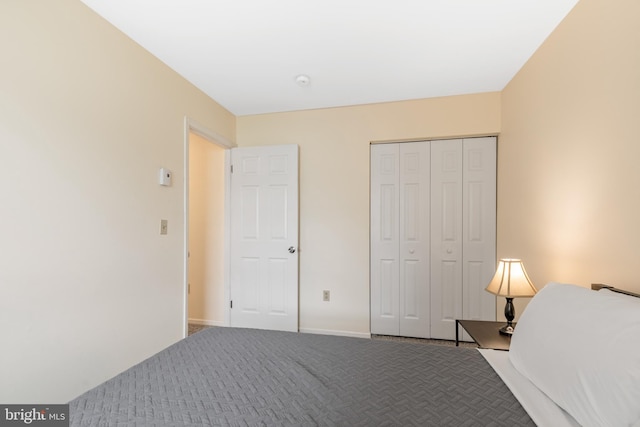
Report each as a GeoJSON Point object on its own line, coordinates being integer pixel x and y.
{"type": "Point", "coordinates": [485, 333]}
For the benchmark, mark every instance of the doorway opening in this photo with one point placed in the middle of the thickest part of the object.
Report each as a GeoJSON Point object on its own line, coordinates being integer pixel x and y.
{"type": "Point", "coordinates": [206, 215]}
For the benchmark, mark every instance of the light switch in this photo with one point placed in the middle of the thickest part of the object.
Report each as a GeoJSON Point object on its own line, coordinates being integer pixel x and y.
{"type": "Point", "coordinates": [163, 226]}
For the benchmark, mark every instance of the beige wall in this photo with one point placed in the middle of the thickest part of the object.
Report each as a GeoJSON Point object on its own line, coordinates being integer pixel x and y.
{"type": "Point", "coordinates": [334, 189]}
{"type": "Point", "coordinates": [206, 231]}
{"type": "Point", "coordinates": [88, 286]}
{"type": "Point", "coordinates": [568, 182]}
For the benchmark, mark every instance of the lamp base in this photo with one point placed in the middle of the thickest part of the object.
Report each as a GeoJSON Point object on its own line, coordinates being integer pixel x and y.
{"type": "Point", "coordinates": [509, 314]}
{"type": "Point", "coordinates": [506, 330]}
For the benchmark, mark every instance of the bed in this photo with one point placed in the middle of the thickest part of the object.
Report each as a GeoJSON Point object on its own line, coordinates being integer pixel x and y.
{"type": "Point", "coordinates": [245, 377]}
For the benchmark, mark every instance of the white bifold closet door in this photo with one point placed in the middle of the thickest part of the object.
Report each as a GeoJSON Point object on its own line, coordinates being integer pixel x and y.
{"type": "Point", "coordinates": [400, 230]}
{"type": "Point", "coordinates": [433, 235]}
{"type": "Point", "coordinates": [463, 232]}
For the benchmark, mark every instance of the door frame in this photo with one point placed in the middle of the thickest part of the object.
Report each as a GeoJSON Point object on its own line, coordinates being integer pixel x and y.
{"type": "Point", "coordinates": [192, 126]}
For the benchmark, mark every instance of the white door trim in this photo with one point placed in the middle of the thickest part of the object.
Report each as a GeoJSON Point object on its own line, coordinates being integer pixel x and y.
{"type": "Point", "coordinates": [192, 126]}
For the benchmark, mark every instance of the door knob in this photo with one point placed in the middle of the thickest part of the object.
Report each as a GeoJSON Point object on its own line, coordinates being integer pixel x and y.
{"type": "Point", "coordinates": [292, 249]}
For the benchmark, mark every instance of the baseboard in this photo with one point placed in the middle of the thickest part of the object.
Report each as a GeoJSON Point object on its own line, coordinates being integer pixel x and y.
{"type": "Point", "coordinates": [206, 322]}
{"type": "Point", "coordinates": [334, 332]}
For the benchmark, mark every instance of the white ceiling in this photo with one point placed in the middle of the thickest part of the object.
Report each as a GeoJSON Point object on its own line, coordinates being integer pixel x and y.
{"type": "Point", "coordinates": [246, 54]}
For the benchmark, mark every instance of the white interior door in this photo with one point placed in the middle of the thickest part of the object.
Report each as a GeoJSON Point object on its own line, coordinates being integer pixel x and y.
{"type": "Point", "coordinates": [264, 237]}
{"type": "Point", "coordinates": [479, 228]}
{"type": "Point", "coordinates": [446, 237]}
{"type": "Point", "coordinates": [400, 239]}
{"type": "Point", "coordinates": [414, 239]}
{"type": "Point", "coordinates": [385, 229]}
{"type": "Point", "coordinates": [463, 239]}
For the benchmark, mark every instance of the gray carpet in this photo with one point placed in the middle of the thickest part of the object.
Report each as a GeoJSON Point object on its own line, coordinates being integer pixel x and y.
{"type": "Point", "coordinates": [244, 377]}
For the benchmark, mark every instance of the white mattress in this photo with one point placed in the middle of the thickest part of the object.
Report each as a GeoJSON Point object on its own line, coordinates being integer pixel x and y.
{"type": "Point", "coordinates": [542, 410]}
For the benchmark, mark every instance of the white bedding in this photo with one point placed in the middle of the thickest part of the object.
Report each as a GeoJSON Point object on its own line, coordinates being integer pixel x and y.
{"type": "Point", "coordinates": [586, 372]}
{"type": "Point", "coordinates": [582, 349]}
{"type": "Point", "coordinates": [542, 410]}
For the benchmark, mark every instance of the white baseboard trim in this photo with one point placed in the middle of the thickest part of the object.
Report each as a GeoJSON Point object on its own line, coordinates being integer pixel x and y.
{"type": "Point", "coordinates": [207, 322]}
{"type": "Point", "coordinates": [334, 332]}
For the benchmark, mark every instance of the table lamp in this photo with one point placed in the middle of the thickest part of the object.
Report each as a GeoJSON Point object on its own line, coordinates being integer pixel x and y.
{"type": "Point", "coordinates": [510, 281]}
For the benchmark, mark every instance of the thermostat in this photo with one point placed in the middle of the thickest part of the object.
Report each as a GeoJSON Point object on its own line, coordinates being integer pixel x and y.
{"type": "Point", "coordinates": [165, 177]}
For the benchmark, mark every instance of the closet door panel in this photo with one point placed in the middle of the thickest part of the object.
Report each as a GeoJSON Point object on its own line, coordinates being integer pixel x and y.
{"type": "Point", "coordinates": [385, 229]}
{"type": "Point", "coordinates": [479, 227]}
{"type": "Point", "coordinates": [446, 237]}
{"type": "Point", "coordinates": [414, 239]}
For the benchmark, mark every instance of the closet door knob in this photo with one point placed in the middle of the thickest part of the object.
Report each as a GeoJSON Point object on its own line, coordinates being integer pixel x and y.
{"type": "Point", "coordinates": [292, 249]}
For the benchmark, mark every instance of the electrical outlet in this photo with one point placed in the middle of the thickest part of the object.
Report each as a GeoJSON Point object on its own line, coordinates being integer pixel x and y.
{"type": "Point", "coordinates": [326, 295]}
{"type": "Point", "coordinates": [163, 226]}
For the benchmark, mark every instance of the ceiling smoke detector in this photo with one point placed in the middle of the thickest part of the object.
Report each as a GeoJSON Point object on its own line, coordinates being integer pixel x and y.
{"type": "Point", "coordinates": [303, 80]}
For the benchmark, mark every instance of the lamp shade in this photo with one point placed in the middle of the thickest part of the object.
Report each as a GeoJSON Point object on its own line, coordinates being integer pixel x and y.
{"type": "Point", "coordinates": [511, 280]}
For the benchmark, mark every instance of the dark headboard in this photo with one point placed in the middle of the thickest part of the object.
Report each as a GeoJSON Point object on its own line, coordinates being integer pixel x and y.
{"type": "Point", "coordinates": [598, 286]}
